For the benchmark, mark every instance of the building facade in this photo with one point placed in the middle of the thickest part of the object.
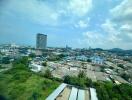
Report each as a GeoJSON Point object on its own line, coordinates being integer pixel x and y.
{"type": "Point", "coordinates": [41, 41]}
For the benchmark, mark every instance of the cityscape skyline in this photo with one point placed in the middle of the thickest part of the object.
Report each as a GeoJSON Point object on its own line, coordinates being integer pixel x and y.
{"type": "Point", "coordinates": [76, 23]}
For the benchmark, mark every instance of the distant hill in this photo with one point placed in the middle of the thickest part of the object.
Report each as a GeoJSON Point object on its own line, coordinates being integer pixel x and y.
{"type": "Point", "coordinates": [121, 52]}
{"type": "Point", "coordinates": [116, 49]}
{"type": "Point", "coordinates": [99, 49]}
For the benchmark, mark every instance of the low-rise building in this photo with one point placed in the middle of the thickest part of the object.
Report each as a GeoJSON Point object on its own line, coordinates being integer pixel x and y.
{"type": "Point", "coordinates": [35, 67]}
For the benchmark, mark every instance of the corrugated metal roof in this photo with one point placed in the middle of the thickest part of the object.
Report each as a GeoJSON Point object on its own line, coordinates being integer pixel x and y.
{"type": "Point", "coordinates": [93, 94]}
{"type": "Point", "coordinates": [73, 94]}
{"type": "Point", "coordinates": [56, 92]}
{"type": "Point", "coordinates": [81, 95]}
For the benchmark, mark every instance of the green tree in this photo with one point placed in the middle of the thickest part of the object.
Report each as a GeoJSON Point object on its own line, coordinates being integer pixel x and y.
{"type": "Point", "coordinates": [47, 74]}
{"type": "Point", "coordinates": [6, 60]}
{"type": "Point", "coordinates": [23, 60]}
{"type": "Point", "coordinates": [81, 82]}
{"type": "Point", "coordinates": [74, 80]}
{"type": "Point", "coordinates": [125, 76]}
{"type": "Point", "coordinates": [35, 96]}
{"type": "Point", "coordinates": [88, 82]}
{"type": "Point", "coordinates": [89, 60]}
{"type": "Point", "coordinates": [32, 55]}
{"type": "Point", "coordinates": [61, 55]}
{"type": "Point", "coordinates": [82, 74]}
{"type": "Point", "coordinates": [44, 63]}
{"type": "Point", "coordinates": [121, 65]}
{"type": "Point", "coordinates": [67, 79]}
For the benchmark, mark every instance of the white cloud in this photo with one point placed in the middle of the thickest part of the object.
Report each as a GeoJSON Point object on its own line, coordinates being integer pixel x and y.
{"type": "Point", "coordinates": [109, 27]}
{"type": "Point", "coordinates": [45, 13]}
{"type": "Point", "coordinates": [118, 27]}
{"type": "Point", "coordinates": [112, 32]}
{"type": "Point", "coordinates": [82, 23]}
{"type": "Point", "coordinates": [80, 7]}
{"type": "Point", "coordinates": [123, 11]}
{"type": "Point", "coordinates": [122, 15]}
{"type": "Point", "coordinates": [91, 38]}
{"type": "Point", "coordinates": [126, 28]}
{"type": "Point", "coordinates": [33, 10]}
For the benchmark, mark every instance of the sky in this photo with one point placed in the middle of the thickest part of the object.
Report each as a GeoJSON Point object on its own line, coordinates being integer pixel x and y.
{"type": "Point", "coordinates": [77, 23]}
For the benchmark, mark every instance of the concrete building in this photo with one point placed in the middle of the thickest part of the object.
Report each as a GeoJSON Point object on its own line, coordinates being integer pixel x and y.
{"type": "Point", "coordinates": [41, 41]}
{"type": "Point", "coordinates": [35, 67]}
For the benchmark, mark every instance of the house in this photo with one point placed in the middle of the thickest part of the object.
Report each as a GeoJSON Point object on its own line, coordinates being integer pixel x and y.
{"type": "Point", "coordinates": [35, 67]}
{"type": "Point", "coordinates": [97, 60]}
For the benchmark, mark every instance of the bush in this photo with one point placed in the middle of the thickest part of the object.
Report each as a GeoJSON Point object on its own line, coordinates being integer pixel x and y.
{"type": "Point", "coordinates": [21, 76]}
{"type": "Point", "coordinates": [88, 82]}
{"type": "Point", "coordinates": [67, 79]}
{"type": "Point", "coordinates": [35, 96]}
{"type": "Point", "coordinates": [19, 83]}
{"type": "Point", "coordinates": [110, 91]}
{"type": "Point", "coordinates": [82, 74]}
{"type": "Point", "coordinates": [23, 61]}
{"type": "Point", "coordinates": [120, 65]}
{"type": "Point", "coordinates": [125, 76]}
{"type": "Point", "coordinates": [6, 60]}
{"type": "Point", "coordinates": [44, 63]}
{"type": "Point", "coordinates": [0, 66]}
{"type": "Point", "coordinates": [81, 80]}
{"type": "Point", "coordinates": [57, 79]}
{"type": "Point", "coordinates": [89, 60]}
{"type": "Point", "coordinates": [32, 55]}
{"type": "Point", "coordinates": [48, 74]}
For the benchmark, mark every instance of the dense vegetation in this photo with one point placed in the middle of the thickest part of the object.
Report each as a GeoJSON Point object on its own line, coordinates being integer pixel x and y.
{"type": "Point", "coordinates": [5, 60]}
{"type": "Point", "coordinates": [55, 57]}
{"type": "Point", "coordinates": [81, 80]}
{"type": "Point", "coordinates": [110, 91]}
{"type": "Point", "coordinates": [20, 83]}
{"type": "Point", "coordinates": [105, 90]}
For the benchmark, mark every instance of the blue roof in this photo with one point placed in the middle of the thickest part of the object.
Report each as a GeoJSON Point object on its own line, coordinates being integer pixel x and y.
{"type": "Point", "coordinates": [54, 94]}
{"type": "Point", "coordinates": [97, 58]}
{"type": "Point", "coordinates": [81, 95]}
{"type": "Point", "coordinates": [73, 94]}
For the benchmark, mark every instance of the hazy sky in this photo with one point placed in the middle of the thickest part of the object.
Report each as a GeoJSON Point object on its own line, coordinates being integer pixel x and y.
{"type": "Point", "coordinates": [77, 23]}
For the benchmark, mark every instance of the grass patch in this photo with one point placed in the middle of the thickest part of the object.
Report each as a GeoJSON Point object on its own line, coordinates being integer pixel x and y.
{"type": "Point", "coordinates": [21, 84]}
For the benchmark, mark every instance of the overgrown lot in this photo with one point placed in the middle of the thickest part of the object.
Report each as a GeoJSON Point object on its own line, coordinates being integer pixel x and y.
{"type": "Point", "coordinates": [20, 83]}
